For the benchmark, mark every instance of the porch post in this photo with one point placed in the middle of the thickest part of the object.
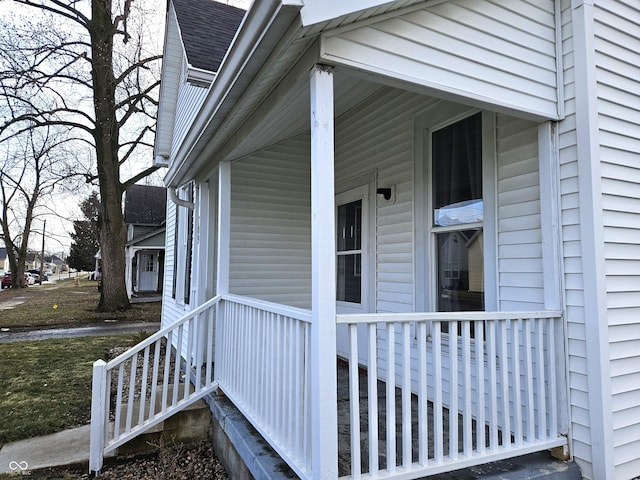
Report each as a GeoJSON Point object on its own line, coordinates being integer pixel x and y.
{"type": "Point", "coordinates": [224, 226]}
{"type": "Point", "coordinates": [324, 429]}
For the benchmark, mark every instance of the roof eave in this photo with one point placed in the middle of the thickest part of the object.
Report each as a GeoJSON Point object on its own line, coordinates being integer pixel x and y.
{"type": "Point", "coordinates": [260, 32]}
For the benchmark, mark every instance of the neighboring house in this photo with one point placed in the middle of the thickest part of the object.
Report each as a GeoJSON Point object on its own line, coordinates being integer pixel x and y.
{"type": "Point", "coordinates": [144, 213]}
{"type": "Point", "coordinates": [4, 261]}
{"type": "Point", "coordinates": [55, 263]}
{"type": "Point", "coordinates": [341, 181]}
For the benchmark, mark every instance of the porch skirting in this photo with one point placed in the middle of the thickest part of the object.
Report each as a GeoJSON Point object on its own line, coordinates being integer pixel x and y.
{"type": "Point", "coordinates": [246, 455]}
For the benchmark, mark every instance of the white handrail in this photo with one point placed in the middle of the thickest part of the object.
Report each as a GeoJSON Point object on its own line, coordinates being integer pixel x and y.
{"type": "Point", "coordinates": [179, 344]}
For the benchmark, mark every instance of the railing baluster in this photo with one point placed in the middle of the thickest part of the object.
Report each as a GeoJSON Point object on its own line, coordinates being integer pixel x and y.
{"type": "Point", "coordinates": [167, 367]}
{"type": "Point", "coordinates": [542, 394]}
{"type": "Point", "coordinates": [504, 370]}
{"type": "Point", "coordinates": [132, 387]}
{"type": "Point", "coordinates": [176, 365]}
{"type": "Point", "coordinates": [438, 429]}
{"type": "Point", "coordinates": [493, 393]}
{"type": "Point", "coordinates": [209, 345]}
{"type": "Point", "coordinates": [154, 377]}
{"type": "Point", "coordinates": [118, 407]}
{"type": "Point", "coordinates": [467, 414]}
{"type": "Point", "coordinates": [391, 398]}
{"type": "Point", "coordinates": [143, 390]}
{"type": "Point", "coordinates": [423, 412]}
{"type": "Point", "coordinates": [189, 356]}
{"type": "Point", "coordinates": [354, 401]}
{"type": "Point", "coordinates": [372, 380]}
{"type": "Point", "coordinates": [528, 356]}
{"type": "Point", "coordinates": [480, 331]}
{"type": "Point", "coordinates": [453, 389]}
{"type": "Point", "coordinates": [406, 396]}
{"type": "Point", "coordinates": [516, 328]}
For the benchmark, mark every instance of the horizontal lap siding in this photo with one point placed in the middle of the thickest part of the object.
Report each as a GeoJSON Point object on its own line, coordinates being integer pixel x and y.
{"type": "Point", "coordinates": [500, 51]}
{"type": "Point", "coordinates": [271, 225]}
{"type": "Point", "coordinates": [520, 272]}
{"type": "Point", "coordinates": [378, 137]}
{"type": "Point", "coordinates": [190, 99]}
{"type": "Point", "coordinates": [617, 40]}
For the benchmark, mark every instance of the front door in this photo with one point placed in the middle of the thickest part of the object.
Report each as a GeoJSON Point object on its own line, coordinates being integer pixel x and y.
{"type": "Point", "coordinates": [353, 263]}
{"type": "Point", "coordinates": [147, 272]}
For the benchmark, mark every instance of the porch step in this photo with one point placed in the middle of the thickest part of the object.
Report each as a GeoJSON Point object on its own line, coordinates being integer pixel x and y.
{"type": "Point", "coordinates": [192, 424]}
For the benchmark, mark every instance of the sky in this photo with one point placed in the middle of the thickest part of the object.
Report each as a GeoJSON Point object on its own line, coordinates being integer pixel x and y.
{"type": "Point", "coordinates": [57, 240]}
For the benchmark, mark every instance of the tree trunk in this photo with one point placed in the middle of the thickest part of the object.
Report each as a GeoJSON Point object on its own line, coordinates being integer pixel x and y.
{"type": "Point", "coordinates": [113, 229]}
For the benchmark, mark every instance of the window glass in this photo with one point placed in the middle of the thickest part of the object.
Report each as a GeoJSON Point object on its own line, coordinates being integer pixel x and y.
{"type": "Point", "coordinates": [457, 173]}
{"type": "Point", "coordinates": [460, 263]}
{"type": "Point", "coordinates": [349, 250]}
{"type": "Point", "coordinates": [457, 203]}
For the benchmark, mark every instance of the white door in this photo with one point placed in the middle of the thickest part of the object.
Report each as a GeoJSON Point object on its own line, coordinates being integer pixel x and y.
{"type": "Point", "coordinates": [147, 274]}
{"type": "Point", "coordinates": [354, 263]}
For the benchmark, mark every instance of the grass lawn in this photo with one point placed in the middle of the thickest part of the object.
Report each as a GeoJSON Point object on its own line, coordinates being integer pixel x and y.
{"type": "Point", "coordinates": [45, 386]}
{"type": "Point", "coordinates": [66, 303]}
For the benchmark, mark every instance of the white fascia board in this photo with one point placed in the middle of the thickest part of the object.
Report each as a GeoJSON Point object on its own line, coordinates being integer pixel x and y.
{"type": "Point", "coordinates": [259, 33]}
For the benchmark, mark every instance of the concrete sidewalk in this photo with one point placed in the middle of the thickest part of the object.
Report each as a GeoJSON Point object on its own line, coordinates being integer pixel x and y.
{"type": "Point", "coordinates": [68, 447]}
{"type": "Point", "coordinates": [97, 330]}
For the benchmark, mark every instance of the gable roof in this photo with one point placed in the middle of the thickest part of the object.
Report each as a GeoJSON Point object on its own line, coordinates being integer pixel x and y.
{"type": "Point", "coordinates": [145, 205]}
{"type": "Point", "coordinates": [207, 28]}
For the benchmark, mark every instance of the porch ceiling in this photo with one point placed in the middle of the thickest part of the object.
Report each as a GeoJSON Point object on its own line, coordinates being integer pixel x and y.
{"type": "Point", "coordinates": [286, 115]}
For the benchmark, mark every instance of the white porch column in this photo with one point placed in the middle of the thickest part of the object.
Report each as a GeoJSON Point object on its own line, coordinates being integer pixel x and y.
{"type": "Point", "coordinates": [224, 227]}
{"type": "Point", "coordinates": [324, 430]}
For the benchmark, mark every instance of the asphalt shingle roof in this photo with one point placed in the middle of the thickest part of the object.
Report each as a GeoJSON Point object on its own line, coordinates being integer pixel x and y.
{"type": "Point", "coordinates": [207, 29]}
{"type": "Point", "coordinates": [145, 205]}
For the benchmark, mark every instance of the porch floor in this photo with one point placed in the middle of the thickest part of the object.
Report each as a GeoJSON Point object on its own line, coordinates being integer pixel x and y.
{"type": "Point", "coordinates": [233, 433]}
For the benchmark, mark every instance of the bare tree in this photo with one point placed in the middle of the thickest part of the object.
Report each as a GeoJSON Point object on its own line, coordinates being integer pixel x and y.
{"type": "Point", "coordinates": [86, 68]}
{"type": "Point", "coordinates": [29, 173]}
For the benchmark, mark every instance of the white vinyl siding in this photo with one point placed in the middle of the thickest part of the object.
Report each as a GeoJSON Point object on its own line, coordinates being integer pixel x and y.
{"type": "Point", "coordinates": [617, 42]}
{"type": "Point", "coordinates": [271, 225]}
{"type": "Point", "coordinates": [377, 138]}
{"type": "Point", "coordinates": [190, 98]}
{"type": "Point", "coordinates": [520, 267]}
{"type": "Point", "coordinates": [500, 52]}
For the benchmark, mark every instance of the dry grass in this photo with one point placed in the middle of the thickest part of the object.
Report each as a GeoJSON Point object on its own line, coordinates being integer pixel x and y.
{"type": "Point", "coordinates": [65, 304]}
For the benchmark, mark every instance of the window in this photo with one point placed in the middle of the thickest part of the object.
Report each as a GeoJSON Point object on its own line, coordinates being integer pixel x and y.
{"type": "Point", "coordinates": [182, 248]}
{"type": "Point", "coordinates": [458, 215]}
{"type": "Point", "coordinates": [349, 251]}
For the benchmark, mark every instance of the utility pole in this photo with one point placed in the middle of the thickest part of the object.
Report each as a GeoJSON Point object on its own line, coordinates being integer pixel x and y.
{"type": "Point", "coordinates": [44, 226]}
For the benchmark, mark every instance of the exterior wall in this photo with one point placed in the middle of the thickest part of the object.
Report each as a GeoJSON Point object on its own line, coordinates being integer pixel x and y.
{"type": "Point", "coordinates": [190, 98]}
{"type": "Point", "coordinates": [495, 52]}
{"type": "Point", "coordinates": [271, 225]}
{"type": "Point", "coordinates": [617, 56]}
{"type": "Point", "coordinates": [520, 266]}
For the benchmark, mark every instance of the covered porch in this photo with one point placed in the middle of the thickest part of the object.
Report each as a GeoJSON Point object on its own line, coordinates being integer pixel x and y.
{"type": "Point", "coordinates": [420, 415]}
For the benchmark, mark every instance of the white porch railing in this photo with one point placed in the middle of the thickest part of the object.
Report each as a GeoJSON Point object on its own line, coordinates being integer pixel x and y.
{"type": "Point", "coordinates": [262, 365]}
{"type": "Point", "coordinates": [146, 391]}
{"type": "Point", "coordinates": [484, 391]}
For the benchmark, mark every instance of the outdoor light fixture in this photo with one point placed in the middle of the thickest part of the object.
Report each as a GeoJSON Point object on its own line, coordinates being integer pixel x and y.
{"type": "Point", "coordinates": [385, 192]}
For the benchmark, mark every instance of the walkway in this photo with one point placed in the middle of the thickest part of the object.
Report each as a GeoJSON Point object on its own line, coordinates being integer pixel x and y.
{"type": "Point", "coordinates": [97, 330]}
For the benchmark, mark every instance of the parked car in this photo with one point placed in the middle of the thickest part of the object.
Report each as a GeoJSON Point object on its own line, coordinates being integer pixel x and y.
{"type": "Point", "coordinates": [7, 281]}
{"type": "Point", "coordinates": [35, 272]}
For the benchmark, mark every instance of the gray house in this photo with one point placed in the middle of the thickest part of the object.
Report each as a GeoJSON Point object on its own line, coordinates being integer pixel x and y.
{"type": "Point", "coordinates": [432, 206]}
{"type": "Point", "coordinates": [144, 214]}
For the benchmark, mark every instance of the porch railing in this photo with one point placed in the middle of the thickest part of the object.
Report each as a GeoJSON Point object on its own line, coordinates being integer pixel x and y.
{"type": "Point", "coordinates": [461, 389]}
{"type": "Point", "coordinates": [146, 384]}
{"type": "Point", "coordinates": [262, 365]}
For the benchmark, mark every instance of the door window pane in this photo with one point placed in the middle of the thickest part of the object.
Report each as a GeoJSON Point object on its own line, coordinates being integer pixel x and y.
{"type": "Point", "coordinates": [349, 249]}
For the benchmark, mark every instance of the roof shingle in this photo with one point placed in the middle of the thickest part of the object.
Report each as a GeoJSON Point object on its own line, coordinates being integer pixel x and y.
{"type": "Point", "coordinates": [207, 28]}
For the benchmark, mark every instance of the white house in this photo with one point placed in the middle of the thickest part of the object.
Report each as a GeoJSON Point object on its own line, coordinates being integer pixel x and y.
{"type": "Point", "coordinates": [323, 173]}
